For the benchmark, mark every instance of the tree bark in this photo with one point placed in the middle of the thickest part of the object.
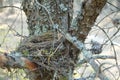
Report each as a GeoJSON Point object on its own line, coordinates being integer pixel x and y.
{"type": "Point", "coordinates": [61, 14]}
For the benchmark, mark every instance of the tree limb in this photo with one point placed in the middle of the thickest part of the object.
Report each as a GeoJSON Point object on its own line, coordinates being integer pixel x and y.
{"type": "Point", "coordinates": [88, 55]}
{"type": "Point", "coordinates": [16, 60]}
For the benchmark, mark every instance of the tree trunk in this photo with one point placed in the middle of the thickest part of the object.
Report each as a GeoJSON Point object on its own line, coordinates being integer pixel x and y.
{"type": "Point", "coordinates": [42, 15]}
{"type": "Point", "coordinates": [38, 21]}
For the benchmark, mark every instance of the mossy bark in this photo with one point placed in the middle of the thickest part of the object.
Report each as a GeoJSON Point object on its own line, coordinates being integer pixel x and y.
{"type": "Point", "coordinates": [61, 13]}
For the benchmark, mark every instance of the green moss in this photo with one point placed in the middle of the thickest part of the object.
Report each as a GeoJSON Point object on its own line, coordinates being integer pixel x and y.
{"type": "Point", "coordinates": [25, 52]}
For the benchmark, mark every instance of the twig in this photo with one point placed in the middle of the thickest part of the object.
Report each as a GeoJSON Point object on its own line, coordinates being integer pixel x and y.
{"type": "Point", "coordinates": [54, 52]}
{"type": "Point", "coordinates": [11, 7]}
{"type": "Point", "coordinates": [106, 69]}
{"type": "Point", "coordinates": [102, 57]}
{"type": "Point", "coordinates": [95, 57]}
{"type": "Point", "coordinates": [10, 27]}
{"type": "Point", "coordinates": [55, 75]}
{"type": "Point", "coordinates": [88, 55]}
{"type": "Point", "coordinates": [113, 49]}
{"type": "Point", "coordinates": [48, 13]}
{"type": "Point", "coordinates": [113, 5]}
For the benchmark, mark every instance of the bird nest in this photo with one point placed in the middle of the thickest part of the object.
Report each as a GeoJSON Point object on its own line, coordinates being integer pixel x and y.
{"type": "Point", "coordinates": [49, 53]}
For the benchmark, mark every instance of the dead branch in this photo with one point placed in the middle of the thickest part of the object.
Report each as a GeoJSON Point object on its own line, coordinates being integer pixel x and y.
{"type": "Point", "coordinates": [16, 60]}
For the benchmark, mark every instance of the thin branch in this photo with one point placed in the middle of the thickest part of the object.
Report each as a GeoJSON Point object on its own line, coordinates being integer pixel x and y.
{"type": "Point", "coordinates": [95, 57]}
{"type": "Point", "coordinates": [104, 67]}
{"type": "Point", "coordinates": [48, 13]}
{"type": "Point", "coordinates": [84, 70]}
{"type": "Point", "coordinates": [106, 17]}
{"type": "Point", "coordinates": [103, 57]}
{"type": "Point", "coordinates": [88, 55]}
{"type": "Point", "coordinates": [113, 49]}
{"type": "Point", "coordinates": [113, 5]}
{"type": "Point", "coordinates": [10, 27]}
{"type": "Point", "coordinates": [107, 68]}
{"type": "Point", "coordinates": [11, 7]}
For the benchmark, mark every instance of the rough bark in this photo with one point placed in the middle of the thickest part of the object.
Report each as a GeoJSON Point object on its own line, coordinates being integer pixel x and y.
{"type": "Point", "coordinates": [90, 10]}
{"type": "Point", "coordinates": [60, 12]}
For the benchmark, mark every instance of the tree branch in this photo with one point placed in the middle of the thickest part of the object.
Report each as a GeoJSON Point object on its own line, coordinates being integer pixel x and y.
{"type": "Point", "coordinates": [88, 55]}
{"type": "Point", "coordinates": [96, 57]}
{"type": "Point", "coordinates": [16, 60]}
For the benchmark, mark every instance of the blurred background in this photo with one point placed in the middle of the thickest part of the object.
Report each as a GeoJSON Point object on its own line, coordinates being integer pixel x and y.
{"type": "Point", "coordinates": [12, 26]}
